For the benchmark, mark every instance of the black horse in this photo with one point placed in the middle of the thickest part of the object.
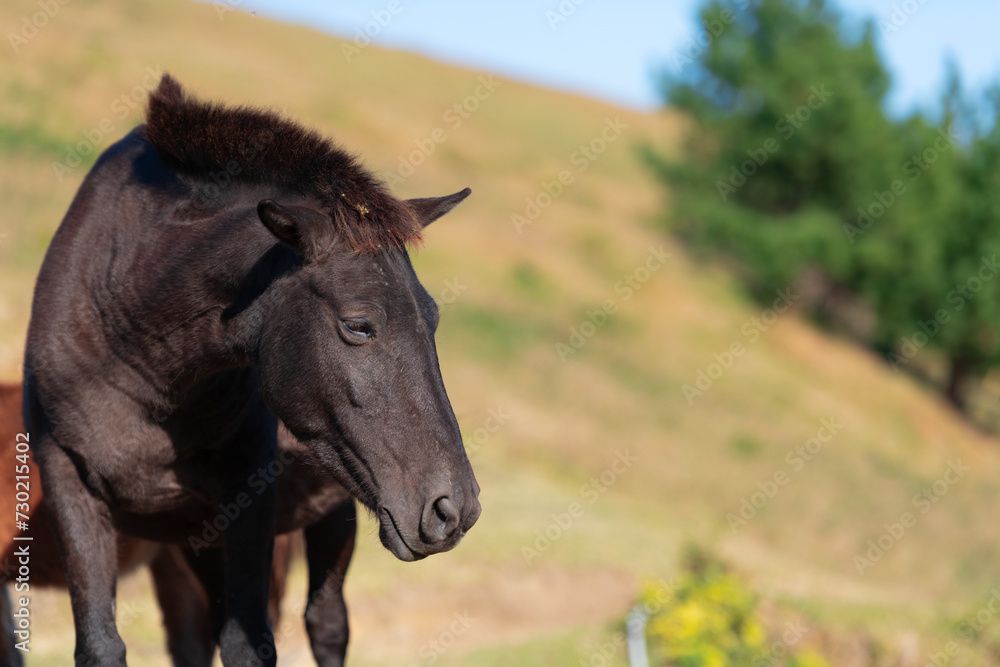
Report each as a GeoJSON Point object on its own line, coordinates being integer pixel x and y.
{"type": "Point", "coordinates": [219, 269]}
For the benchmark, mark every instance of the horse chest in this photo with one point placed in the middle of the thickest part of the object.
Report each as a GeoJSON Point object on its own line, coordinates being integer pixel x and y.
{"type": "Point", "coordinates": [158, 487]}
{"type": "Point", "coordinates": [162, 472]}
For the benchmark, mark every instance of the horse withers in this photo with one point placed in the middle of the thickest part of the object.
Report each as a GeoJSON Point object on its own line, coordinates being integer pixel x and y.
{"type": "Point", "coordinates": [220, 269]}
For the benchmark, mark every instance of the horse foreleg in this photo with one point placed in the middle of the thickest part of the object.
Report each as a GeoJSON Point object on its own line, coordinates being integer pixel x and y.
{"type": "Point", "coordinates": [329, 546]}
{"type": "Point", "coordinates": [191, 638]}
{"type": "Point", "coordinates": [9, 655]}
{"type": "Point", "coordinates": [88, 549]}
{"type": "Point", "coordinates": [246, 638]}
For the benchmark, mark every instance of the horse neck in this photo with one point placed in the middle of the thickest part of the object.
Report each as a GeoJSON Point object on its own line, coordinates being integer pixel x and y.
{"type": "Point", "coordinates": [201, 308]}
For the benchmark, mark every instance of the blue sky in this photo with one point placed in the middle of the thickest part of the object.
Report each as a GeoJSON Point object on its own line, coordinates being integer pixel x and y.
{"type": "Point", "coordinates": [611, 49]}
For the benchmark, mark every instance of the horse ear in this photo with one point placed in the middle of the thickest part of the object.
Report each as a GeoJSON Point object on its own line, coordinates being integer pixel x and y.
{"type": "Point", "coordinates": [430, 209]}
{"type": "Point", "coordinates": [281, 222]}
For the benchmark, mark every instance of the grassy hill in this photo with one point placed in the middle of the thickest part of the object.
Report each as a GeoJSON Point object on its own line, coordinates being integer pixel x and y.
{"type": "Point", "coordinates": [569, 325]}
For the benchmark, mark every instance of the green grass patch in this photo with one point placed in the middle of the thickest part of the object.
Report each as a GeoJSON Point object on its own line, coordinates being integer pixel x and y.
{"type": "Point", "coordinates": [29, 139]}
{"type": "Point", "coordinates": [492, 334]}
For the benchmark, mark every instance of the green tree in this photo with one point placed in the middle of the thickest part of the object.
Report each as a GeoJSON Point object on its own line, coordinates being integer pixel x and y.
{"type": "Point", "coordinates": [963, 209]}
{"type": "Point", "coordinates": [788, 138]}
{"type": "Point", "coordinates": [793, 169]}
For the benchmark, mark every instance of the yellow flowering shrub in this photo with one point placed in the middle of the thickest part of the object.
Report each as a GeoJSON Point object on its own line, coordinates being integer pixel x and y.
{"type": "Point", "coordinates": [710, 619]}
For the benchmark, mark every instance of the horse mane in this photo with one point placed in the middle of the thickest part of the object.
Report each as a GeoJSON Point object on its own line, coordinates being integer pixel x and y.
{"type": "Point", "coordinates": [212, 143]}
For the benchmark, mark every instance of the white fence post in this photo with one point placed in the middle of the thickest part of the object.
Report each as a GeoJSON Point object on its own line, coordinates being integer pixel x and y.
{"type": "Point", "coordinates": [636, 625]}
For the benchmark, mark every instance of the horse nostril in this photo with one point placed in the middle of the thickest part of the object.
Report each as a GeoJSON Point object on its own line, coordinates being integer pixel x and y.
{"type": "Point", "coordinates": [441, 522]}
{"type": "Point", "coordinates": [444, 509]}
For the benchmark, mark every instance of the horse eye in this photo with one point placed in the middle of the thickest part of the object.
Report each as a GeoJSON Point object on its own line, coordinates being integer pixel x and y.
{"type": "Point", "coordinates": [359, 328]}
